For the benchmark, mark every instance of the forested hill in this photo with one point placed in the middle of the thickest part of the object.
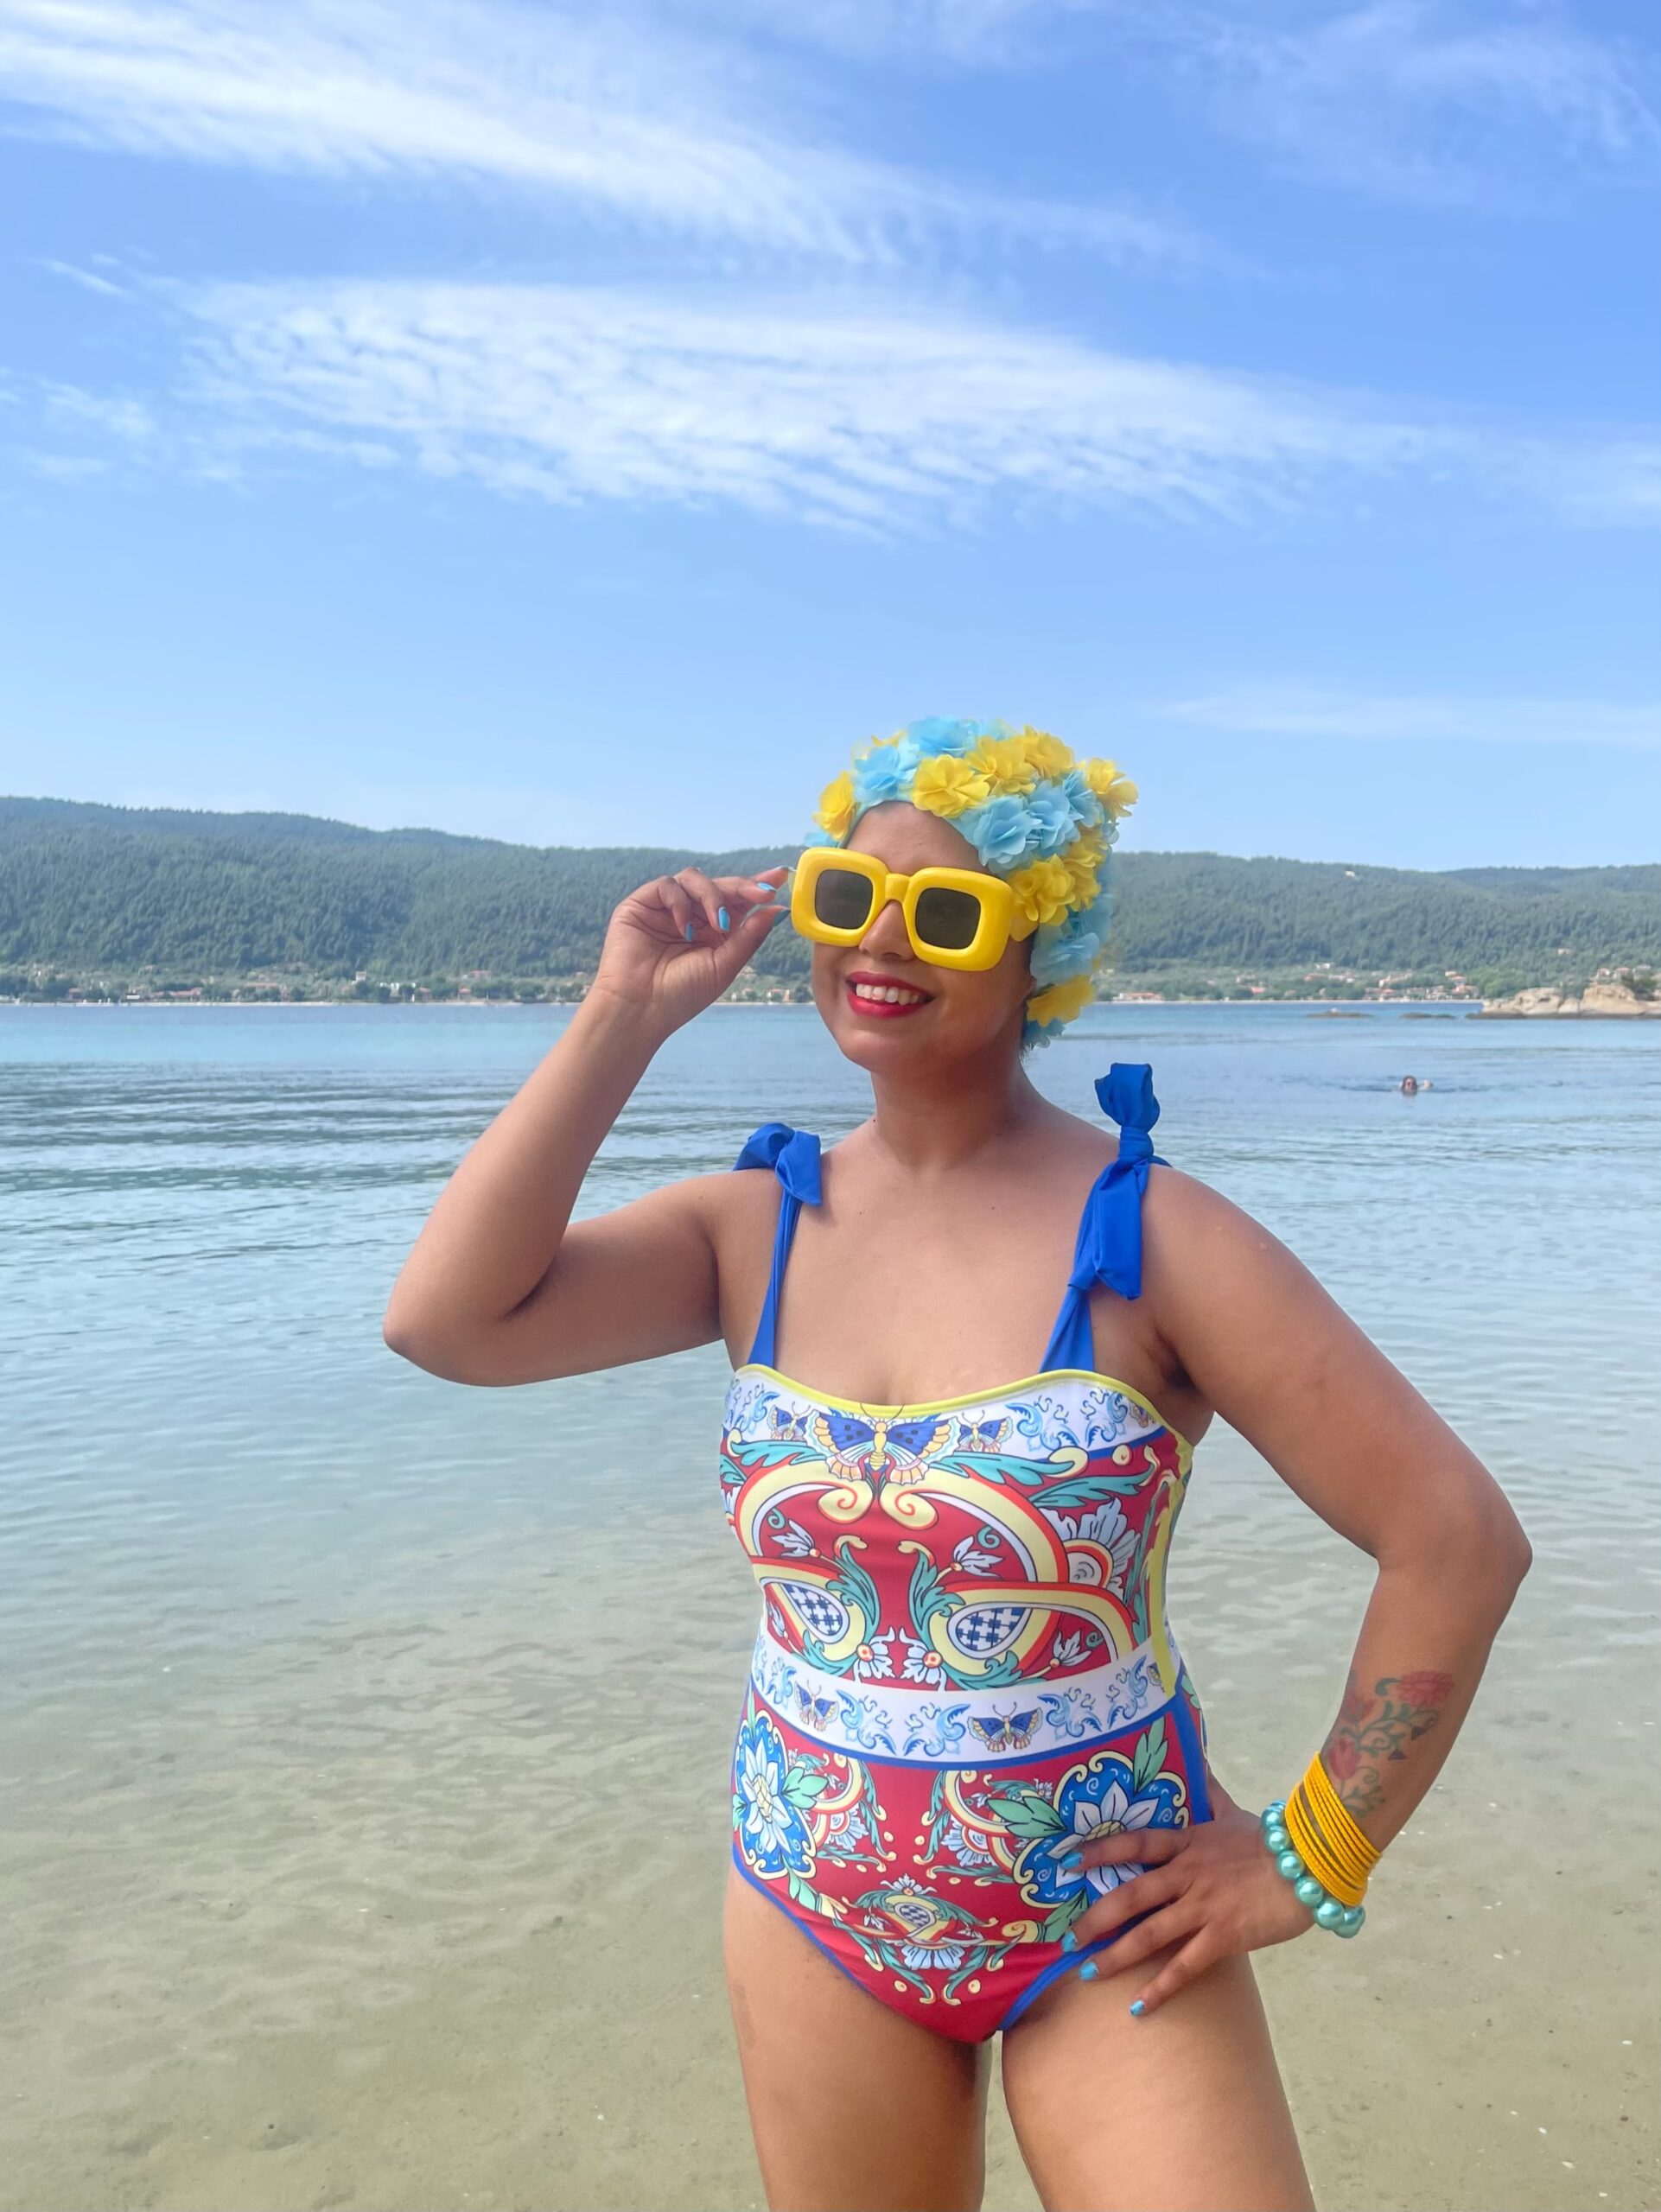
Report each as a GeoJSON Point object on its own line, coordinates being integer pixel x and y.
{"type": "Point", "coordinates": [88, 888]}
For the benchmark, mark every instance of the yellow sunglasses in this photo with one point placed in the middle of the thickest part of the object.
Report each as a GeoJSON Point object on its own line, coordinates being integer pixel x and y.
{"type": "Point", "coordinates": [955, 916]}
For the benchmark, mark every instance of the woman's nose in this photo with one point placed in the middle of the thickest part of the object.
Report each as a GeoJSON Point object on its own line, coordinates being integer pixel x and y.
{"type": "Point", "coordinates": [887, 932]}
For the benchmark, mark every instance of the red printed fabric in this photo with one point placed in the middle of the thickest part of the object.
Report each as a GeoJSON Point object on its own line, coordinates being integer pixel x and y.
{"type": "Point", "coordinates": [964, 1670]}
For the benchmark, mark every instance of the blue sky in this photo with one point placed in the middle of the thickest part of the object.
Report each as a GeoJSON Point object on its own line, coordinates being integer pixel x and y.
{"type": "Point", "coordinates": [582, 425]}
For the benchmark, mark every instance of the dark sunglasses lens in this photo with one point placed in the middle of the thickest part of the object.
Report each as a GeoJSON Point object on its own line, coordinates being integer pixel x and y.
{"type": "Point", "coordinates": [948, 920]}
{"type": "Point", "coordinates": [842, 898]}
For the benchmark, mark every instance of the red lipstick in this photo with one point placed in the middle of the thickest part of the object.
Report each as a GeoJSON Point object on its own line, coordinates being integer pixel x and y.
{"type": "Point", "coordinates": [912, 1000]}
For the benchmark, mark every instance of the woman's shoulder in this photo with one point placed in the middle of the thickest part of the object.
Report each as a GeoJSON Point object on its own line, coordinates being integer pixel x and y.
{"type": "Point", "coordinates": [1192, 1234]}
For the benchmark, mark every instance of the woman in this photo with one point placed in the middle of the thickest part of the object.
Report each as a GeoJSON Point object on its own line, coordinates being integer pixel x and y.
{"type": "Point", "coordinates": [971, 1789]}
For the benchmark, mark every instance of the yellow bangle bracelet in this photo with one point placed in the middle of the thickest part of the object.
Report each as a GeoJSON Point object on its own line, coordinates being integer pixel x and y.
{"type": "Point", "coordinates": [1310, 1847]}
{"type": "Point", "coordinates": [1335, 1846]}
{"type": "Point", "coordinates": [1330, 1864]}
{"type": "Point", "coordinates": [1340, 1845]}
{"type": "Point", "coordinates": [1338, 1821]}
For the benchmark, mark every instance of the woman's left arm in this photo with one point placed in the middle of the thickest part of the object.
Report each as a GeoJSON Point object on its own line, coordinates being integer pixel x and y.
{"type": "Point", "coordinates": [1284, 1365]}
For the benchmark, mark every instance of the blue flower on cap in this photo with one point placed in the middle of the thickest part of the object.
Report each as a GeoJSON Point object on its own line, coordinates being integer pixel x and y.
{"type": "Point", "coordinates": [1000, 829]}
{"type": "Point", "coordinates": [883, 773]}
{"type": "Point", "coordinates": [1087, 808]}
{"type": "Point", "coordinates": [936, 734]}
{"type": "Point", "coordinates": [1052, 819]}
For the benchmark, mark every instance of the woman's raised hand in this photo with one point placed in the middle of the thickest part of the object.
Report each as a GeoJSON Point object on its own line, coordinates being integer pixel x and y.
{"type": "Point", "coordinates": [674, 945]}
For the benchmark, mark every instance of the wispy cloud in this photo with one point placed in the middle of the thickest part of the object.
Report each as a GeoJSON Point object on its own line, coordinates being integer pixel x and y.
{"type": "Point", "coordinates": [71, 408]}
{"type": "Point", "coordinates": [859, 415]}
{"type": "Point", "coordinates": [1435, 100]}
{"type": "Point", "coordinates": [849, 412]}
{"type": "Point", "coordinates": [1309, 710]}
{"type": "Point", "coordinates": [608, 113]}
{"type": "Point", "coordinates": [88, 279]}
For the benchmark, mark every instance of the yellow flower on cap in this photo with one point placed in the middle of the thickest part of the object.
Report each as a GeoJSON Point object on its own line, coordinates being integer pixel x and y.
{"type": "Point", "coordinates": [1062, 1001]}
{"type": "Point", "coordinates": [1043, 894]}
{"type": "Point", "coordinates": [1003, 762]}
{"type": "Point", "coordinates": [837, 806]}
{"type": "Point", "coordinates": [1116, 791]}
{"type": "Point", "coordinates": [948, 785]}
{"type": "Point", "coordinates": [1047, 755]}
{"type": "Point", "coordinates": [1082, 860]}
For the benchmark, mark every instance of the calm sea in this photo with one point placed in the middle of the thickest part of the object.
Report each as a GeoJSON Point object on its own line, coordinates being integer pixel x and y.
{"type": "Point", "coordinates": [364, 1737]}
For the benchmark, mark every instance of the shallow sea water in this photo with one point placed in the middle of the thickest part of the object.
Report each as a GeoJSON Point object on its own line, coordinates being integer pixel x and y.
{"type": "Point", "coordinates": [366, 1738]}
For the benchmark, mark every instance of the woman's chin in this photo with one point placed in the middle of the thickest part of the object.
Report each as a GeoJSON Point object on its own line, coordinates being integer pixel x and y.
{"type": "Point", "coordinates": [881, 1044]}
{"type": "Point", "coordinates": [924, 1040]}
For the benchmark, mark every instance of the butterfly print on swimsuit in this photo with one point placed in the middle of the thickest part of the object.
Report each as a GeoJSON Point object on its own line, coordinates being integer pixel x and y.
{"type": "Point", "coordinates": [877, 1451]}
{"type": "Point", "coordinates": [1008, 1732]}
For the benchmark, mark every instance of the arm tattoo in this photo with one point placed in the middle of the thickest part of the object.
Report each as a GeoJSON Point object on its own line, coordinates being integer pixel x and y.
{"type": "Point", "coordinates": [1372, 1728]}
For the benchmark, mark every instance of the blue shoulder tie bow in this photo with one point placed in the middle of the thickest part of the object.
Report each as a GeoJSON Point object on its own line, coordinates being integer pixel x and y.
{"type": "Point", "coordinates": [1109, 1249]}
{"type": "Point", "coordinates": [792, 1154]}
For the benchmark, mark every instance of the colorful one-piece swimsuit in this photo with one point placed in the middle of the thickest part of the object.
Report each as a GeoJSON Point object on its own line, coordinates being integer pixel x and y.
{"type": "Point", "coordinates": [963, 1667]}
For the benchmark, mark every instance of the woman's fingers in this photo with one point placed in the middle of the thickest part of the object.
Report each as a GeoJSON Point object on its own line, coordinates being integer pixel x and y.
{"type": "Point", "coordinates": [675, 902]}
{"type": "Point", "coordinates": [1144, 1846]}
{"type": "Point", "coordinates": [1172, 1925]}
{"type": "Point", "coordinates": [1142, 1893]}
{"type": "Point", "coordinates": [726, 900]}
{"type": "Point", "coordinates": [1200, 1952]}
{"type": "Point", "coordinates": [733, 947]}
{"type": "Point", "coordinates": [743, 895]}
{"type": "Point", "coordinates": [753, 889]}
{"type": "Point", "coordinates": [700, 889]}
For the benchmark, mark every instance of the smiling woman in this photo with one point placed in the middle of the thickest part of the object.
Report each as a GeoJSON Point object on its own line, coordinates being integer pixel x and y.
{"type": "Point", "coordinates": [972, 1793]}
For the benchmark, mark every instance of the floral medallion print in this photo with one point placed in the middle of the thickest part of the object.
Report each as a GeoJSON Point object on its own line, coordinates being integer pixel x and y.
{"type": "Point", "coordinates": [1110, 1794]}
{"type": "Point", "coordinates": [793, 1807]}
{"type": "Point", "coordinates": [772, 1796]}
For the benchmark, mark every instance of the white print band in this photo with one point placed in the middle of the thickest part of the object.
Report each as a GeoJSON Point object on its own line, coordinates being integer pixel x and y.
{"type": "Point", "coordinates": [942, 1726]}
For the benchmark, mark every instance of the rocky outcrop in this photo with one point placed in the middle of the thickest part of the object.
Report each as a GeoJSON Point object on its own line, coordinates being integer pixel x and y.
{"type": "Point", "coordinates": [1542, 1003]}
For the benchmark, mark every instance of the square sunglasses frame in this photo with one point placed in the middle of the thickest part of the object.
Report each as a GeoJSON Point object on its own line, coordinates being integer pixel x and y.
{"type": "Point", "coordinates": [992, 932]}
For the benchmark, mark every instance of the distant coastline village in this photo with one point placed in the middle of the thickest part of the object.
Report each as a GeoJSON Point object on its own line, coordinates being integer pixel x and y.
{"type": "Point", "coordinates": [1610, 992]}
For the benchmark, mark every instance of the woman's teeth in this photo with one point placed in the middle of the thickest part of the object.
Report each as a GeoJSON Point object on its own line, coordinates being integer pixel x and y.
{"type": "Point", "coordinates": [889, 994]}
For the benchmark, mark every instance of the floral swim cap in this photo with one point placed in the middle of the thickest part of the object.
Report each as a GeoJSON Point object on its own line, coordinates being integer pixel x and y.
{"type": "Point", "coordinates": [1037, 817]}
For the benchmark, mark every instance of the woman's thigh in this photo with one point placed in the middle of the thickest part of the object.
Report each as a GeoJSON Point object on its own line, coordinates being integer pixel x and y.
{"type": "Point", "coordinates": [854, 2108]}
{"type": "Point", "coordinates": [1181, 2111]}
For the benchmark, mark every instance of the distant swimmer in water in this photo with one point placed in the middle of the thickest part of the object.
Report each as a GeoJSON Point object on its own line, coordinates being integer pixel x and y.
{"type": "Point", "coordinates": [1412, 1084]}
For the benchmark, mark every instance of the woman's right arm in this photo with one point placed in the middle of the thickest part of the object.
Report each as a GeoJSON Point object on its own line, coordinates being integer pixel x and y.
{"type": "Point", "coordinates": [499, 1288]}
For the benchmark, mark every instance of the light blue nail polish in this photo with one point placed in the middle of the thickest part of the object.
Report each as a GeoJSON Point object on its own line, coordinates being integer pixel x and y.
{"type": "Point", "coordinates": [1069, 1941]}
{"type": "Point", "coordinates": [1087, 1972]}
{"type": "Point", "coordinates": [767, 891]}
{"type": "Point", "coordinates": [1137, 2009]}
{"type": "Point", "coordinates": [690, 932]}
{"type": "Point", "coordinates": [721, 916]}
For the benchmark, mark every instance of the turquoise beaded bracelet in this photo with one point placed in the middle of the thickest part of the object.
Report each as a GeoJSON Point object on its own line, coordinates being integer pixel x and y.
{"type": "Point", "coordinates": [1329, 1912]}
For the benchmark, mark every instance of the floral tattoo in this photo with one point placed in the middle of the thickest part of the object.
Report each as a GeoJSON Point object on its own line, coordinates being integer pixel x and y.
{"type": "Point", "coordinates": [1372, 1728]}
